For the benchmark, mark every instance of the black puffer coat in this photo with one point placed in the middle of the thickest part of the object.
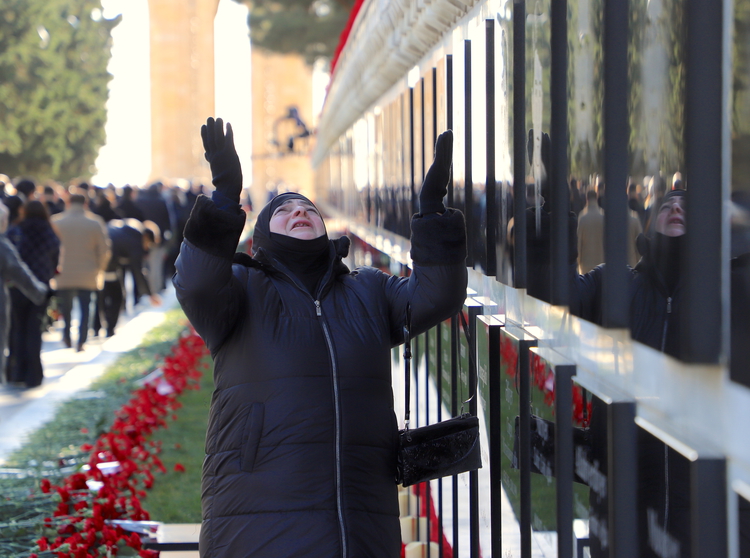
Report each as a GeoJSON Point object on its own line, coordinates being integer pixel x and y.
{"type": "Point", "coordinates": [302, 433]}
{"type": "Point", "coordinates": [654, 306]}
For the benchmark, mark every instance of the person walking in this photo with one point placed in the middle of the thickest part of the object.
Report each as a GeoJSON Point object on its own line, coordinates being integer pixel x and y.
{"type": "Point", "coordinates": [13, 270]}
{"type": "Point", "coordinates": [302, 435]}
{"type": "Point", "coordinates": [590, 234]}
{"type": "Point", "coordinates": [39, 248]}
{"type": "Point", "coordinates": [130, 242]}
{"type": "Point", "coordinates": [154, 207]}
{"type": "Point", "coordinates": [84, 255]}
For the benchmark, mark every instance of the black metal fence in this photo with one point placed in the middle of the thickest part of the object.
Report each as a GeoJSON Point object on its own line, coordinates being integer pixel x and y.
{"type": "Point", "coordinates": [547, 99]}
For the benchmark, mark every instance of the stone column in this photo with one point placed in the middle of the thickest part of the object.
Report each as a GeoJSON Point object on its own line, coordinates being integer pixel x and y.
{"type": "Point", "coordinates": [182, 85]}
{"type": "Point", "coordinates": [279, 82]}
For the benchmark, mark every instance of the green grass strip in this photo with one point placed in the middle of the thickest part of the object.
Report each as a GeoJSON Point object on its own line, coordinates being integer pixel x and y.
{"type": "Point", "coordinates": [53, 450]}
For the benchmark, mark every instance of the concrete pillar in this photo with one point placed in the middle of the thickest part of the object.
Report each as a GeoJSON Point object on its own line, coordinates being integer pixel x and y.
{"type": "Point", "coordinates": [182, 85]}
{"type": "Point", "coordinates": [280, 81]}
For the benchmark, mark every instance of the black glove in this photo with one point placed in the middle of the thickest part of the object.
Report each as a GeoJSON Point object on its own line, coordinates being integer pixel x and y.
{"type": "Point", "coordinates": [226, 173]}
{"type": "Point", "coordinates": [435, 185]}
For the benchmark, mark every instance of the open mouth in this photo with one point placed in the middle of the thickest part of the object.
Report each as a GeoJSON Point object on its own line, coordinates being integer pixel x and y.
{"type": "Point", "coordinates": [300, 224]}
{"type": "Point", "coordinates": [676, 220]}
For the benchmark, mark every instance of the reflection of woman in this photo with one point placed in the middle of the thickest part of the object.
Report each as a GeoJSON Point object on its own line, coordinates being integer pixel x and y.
{"type": "Point", "coordinates": [655, 285]}
{"type": "Point", "coordinates": [302, 434]}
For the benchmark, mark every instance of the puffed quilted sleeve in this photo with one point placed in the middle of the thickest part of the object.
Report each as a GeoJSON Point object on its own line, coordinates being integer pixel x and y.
{"type": "Point", "coordinates": [209, 288]}
{"type": "Point", "coordinates": [436, 288]}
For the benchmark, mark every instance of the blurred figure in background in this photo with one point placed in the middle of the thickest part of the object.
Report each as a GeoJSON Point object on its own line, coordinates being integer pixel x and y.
{"type": "Point", "coordinates": [39, 248]}
{"type": "Point", "coordinates": [154, 207]}
{"type": "Point", "coordinates": [125, 207]}
{"type": "Point", "coordinates": [84, 255]}
{"type": "Point", "coordinates": [130, 242]}
{"type": "Point", "coordinates": [590, 234]}
{"type": "Point", "coordinates": [13, 270]}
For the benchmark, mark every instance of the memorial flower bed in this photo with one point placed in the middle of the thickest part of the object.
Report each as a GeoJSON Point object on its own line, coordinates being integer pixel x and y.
{"type": "Point", "coordinates": [78, 514]}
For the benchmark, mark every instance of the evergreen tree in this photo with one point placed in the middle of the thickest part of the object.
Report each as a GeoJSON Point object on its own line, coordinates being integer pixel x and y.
{"type": "Point", "coordinates": [53, 86]}
{"type": "Point", "coordinates": [307, 27]}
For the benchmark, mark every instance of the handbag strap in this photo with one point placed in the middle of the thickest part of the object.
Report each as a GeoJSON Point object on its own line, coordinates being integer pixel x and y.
{"type": "Point", "coordinates": [407, 361]}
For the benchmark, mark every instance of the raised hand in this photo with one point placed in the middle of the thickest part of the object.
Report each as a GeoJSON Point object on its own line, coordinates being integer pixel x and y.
{"type": "Point", "coordinates": [435, 185]}
{"type": "Point", "coordinates": [226, 172]}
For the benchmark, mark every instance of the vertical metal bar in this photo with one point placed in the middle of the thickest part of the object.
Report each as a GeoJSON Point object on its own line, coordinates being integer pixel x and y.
{"type": "Point", "coordinates": [616, 136]}
{"type": "Point", "coordinates": [564, 458]}
{"type": "Point", "coordinates": [427, 421]}
{"type": "Point", "coordinates": [468, 178]}
{"type": "Point", "coordinates": [410, 170]}
{"type": "Point", "coordinates": [425, 148]}
{"type": "Point", "coordinates": [708, 508]}
{"type": "Point", "coordinates": [706, 269]}
{"type": "Point", "coordinates": [524, 443]}
{"type": "Point", "coordinates": [474, 309]}
{"type": "Point", "coordinates": [439, 403]}
{"type": "Point", "coordinates": [454, 411]}
{"type": "Point", "coordinates": [495, 440]}
{"type": "Point", "coordinates": [449, 110]}
{"type": "Point", "coordinates": [519, 143]}
{"type": "Point", "coordinates": [434, 115]}
{"type": "Point", "coordinates": [622, 480]}
{"type": "Point", "coordinates": [558, 181]}
{"type": "Point", "coordinates": [491, 200]}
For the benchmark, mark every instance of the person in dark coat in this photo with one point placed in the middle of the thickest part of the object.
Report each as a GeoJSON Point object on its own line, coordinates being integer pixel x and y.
{"type": "Point", "coordinates": [13, 270]}
{"type": "Point", "coordinates": [131, 241]}
{"type": "Point", "coordinates": [102, 206]}
{"type": "Point", "coordinates": [302, 435]}
{"type": "Point", "coordinates": [655, 282]}
{"type": "Point", "coordinates": [126, 207]}
{"type": "Point", "coordinates": [39, 248]}
{"type": "Point", "coordinates": [154, 207]}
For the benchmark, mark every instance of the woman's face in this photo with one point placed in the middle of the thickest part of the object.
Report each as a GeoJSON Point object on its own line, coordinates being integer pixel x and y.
{"type": "Point", "coordinates": [671, 218]}
{"type": "Point", "coordinates": [297, 218]}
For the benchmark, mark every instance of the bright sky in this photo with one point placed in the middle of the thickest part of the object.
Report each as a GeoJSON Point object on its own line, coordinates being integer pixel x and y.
{"type": "Point", "coordinates": [126, 156]}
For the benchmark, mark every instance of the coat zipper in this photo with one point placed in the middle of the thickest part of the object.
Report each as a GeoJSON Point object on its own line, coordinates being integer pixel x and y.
{"type": "Point", "coordinates": [337, 412]}
{"type": "Point", "coordinates": [336, 401]}
{"type": "Point", "coordinates": [666, 323]}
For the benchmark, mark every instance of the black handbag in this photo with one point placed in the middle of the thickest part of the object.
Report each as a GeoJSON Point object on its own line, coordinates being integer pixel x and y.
{"type": "Point", "coordinates": [438, 450]}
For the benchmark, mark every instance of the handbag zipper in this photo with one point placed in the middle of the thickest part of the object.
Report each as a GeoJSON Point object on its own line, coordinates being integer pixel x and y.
{"type": "Point", "coordinates": [337, 413]}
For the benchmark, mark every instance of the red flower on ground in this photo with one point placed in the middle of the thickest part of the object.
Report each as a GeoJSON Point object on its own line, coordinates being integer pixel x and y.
{"type": "Point", "coordinates": [122, 460]}
{"type": "Point", "coordinates": [179, 467]}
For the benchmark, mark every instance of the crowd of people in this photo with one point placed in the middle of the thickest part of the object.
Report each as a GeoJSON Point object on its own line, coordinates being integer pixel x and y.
{"type": "Point", "coordinates": [68, 246]}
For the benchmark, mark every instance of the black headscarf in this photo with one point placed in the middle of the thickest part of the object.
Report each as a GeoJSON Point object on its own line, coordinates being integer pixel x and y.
{"type": "Point", "coordinates": [307, 260]}
{"type": "Point", "coordinates": [665, 253]}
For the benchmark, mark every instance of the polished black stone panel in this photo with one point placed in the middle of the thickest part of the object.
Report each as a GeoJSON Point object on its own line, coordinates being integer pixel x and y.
{"type": "Point", "coordinates": [515, 403]}
{"type": "Point", "coordinates": [681, 498]}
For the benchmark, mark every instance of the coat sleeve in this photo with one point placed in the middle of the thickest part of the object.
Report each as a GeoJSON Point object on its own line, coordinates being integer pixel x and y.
{"type": "Point", "coordinates": [436, 288]}
{"type": "Point", "coordinates": [205, 283]}
{"type": "Point", "coordinates": [18, 275]}
{"type": "Point", "coordinates": [586, 294]}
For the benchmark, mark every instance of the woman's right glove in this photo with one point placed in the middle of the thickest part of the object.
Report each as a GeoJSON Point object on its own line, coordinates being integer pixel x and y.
{"type": "Point", "coordinates": [435, 185]}
{"type": "Point", "coordinates": [226, 173]}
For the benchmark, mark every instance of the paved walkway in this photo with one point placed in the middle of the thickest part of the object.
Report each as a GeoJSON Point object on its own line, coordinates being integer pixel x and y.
{"type": "Point", "coordinates": [67, 372]}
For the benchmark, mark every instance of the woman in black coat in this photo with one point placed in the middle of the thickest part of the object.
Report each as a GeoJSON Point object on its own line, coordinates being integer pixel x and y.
{"type": "Point", "coordinates": [655, 286]}
{"type": "Point", "coordinates": [302, 433]}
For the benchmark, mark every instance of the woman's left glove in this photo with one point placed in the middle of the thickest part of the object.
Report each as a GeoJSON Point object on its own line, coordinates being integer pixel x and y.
{"type": "Point", "coordinates": [226, 173]}
{"type": "Point", "coordinates": [435, 185]}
